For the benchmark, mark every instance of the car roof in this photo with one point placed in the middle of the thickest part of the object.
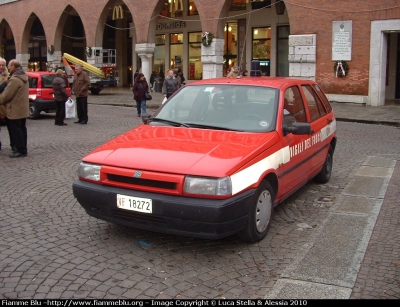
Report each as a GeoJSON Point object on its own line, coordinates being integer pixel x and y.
{"type": "Point", "coordinates": [40, 73]}
{"type": "Point", "coordinates": [275, 82]}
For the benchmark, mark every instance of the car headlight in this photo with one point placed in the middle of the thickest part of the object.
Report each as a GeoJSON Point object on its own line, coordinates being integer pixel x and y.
{"type": "Point", "coordinates": [208, 186]}
{"type": "Point", "coordinates": [89, 171]}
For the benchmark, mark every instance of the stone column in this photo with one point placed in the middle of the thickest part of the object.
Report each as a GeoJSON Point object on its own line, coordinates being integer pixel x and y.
{"type": "Point", "coordinates": [54, 60]}
{"type": "Point", "coordinates": [212, 58]}
{"type": "Point", "coordinates": [146, 52]}
{"type": "Point", "coordinates": [302, 56]}
{"type": "Point", "coordinates": [23, 59]}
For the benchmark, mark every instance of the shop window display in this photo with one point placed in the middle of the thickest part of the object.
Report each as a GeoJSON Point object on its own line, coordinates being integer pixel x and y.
{"type": "Point", "coordinates": [195, 65]}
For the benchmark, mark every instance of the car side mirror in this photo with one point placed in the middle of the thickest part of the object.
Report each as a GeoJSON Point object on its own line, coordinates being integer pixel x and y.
{"type": "Point", "coordinates": [145, 117]}
{"type": "Point", "coordinates": [298, 128]}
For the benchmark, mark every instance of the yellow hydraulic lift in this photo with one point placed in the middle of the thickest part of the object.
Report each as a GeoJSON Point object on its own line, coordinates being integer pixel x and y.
{"type": "Point", "coordinates": [89, 67]}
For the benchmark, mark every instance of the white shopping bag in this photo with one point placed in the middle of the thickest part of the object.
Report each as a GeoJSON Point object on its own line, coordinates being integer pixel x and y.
{"type": "Point", "coordinates": [164, 100]}
{"type": "Point", "coordinates": [70, 108]}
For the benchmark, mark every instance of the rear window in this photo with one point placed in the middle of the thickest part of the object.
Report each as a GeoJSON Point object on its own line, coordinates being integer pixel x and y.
{"type": "Point", "coordinates": [325, 100]}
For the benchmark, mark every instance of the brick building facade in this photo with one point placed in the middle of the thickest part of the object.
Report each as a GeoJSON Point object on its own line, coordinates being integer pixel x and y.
{"type": "Point", "coordinates": [299, 38]}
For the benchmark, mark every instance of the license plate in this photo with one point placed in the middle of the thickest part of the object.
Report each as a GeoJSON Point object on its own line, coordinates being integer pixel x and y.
{"type": "Point", "coordinates": [134, 203]}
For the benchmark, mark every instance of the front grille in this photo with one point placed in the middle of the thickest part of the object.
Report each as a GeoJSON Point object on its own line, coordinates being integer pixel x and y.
{"type": "Point", "coordinates": [142, 182]}
{"type": "Point", "coordinates": [140, 218]}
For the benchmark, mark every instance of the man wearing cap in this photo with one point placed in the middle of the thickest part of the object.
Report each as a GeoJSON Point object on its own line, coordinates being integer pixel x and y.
{"type": "Point", "coordinates": [60, 96]}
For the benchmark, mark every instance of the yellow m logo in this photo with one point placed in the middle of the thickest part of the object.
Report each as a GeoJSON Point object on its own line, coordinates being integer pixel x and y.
{"type": "Point", "coordinates": [118, 13]}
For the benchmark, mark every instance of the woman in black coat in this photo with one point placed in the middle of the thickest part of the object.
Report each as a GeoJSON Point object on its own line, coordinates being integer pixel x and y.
{"type": "Point", "coordinates": [140, 87]}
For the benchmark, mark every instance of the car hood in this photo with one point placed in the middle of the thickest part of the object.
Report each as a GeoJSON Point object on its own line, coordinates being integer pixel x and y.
{"type": "Point", "coordinates": [182, 150]}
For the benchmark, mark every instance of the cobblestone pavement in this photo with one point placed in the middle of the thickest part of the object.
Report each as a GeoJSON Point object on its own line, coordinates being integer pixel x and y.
{"type": "Point", "coordinates": [50, 248]}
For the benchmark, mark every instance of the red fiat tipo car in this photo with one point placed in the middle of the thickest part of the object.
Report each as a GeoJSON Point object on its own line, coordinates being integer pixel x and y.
{"type": "Point", "coordinates": [214, 160]}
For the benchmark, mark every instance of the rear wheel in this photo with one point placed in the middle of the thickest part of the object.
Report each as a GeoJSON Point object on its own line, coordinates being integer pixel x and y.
{"type": "Point", "coordinates": [325, 174]}
{"type": "Point", "coordinates": [33, 111]}
{"type": "Point", "coordinates": [260, 214]}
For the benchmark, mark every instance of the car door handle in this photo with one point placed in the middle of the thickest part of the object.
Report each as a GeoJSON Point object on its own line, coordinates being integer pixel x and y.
{"type": "Point", "coordinates": [329, 121]}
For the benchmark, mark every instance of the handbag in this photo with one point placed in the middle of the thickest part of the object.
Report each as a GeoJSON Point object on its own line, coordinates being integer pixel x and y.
{"type": "Point", "coordinates": [70, 108]}
{"type": "Point", "coordinates": [147, 96]}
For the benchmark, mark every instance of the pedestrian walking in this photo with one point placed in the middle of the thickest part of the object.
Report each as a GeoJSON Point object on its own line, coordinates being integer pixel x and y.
{"type": "Point", "coordinates": [180, 74]}
{"type": "Point", "coordinates": [170, 84]}
{"type": "Point", "coordinates": [16, 99]}
{"type": "Point", "coordinates": [178, 78]}
{"type": "Point", "coordinates": [60, 96]}
{"type": "Point", "coordinates": [139, 89]}
{"type": "Point", "coordinates": [152, 80]}
{"type": "Point", "coordinates": [135, 75]}
{"type": "Point", "coordinates": [80, 88]}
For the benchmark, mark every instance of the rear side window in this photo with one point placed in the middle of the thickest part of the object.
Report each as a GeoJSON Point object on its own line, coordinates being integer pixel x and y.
{"type": "Point", "coordinates": [47, 81]}
{"type": "Point", "coordinates": [32, 82]}
{"type": "Point", "coordinates": [315, 106]}
{"type": "Point", "coordinates": [324, 100]}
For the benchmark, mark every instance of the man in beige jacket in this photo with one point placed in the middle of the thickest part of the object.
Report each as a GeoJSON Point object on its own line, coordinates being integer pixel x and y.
{"type": "Point", "coordinates": [16, 99]}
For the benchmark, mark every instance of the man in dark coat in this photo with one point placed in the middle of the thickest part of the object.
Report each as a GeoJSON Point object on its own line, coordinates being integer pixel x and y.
{"type": "Point", "coordinates": [60, 96]}
{"type": "Point", "coordinates": [80, 87]}
{"type": "Point", "coordinates": [140, 87]}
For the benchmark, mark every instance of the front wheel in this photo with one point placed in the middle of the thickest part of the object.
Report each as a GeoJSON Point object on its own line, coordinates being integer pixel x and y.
{"type": "Point", "coordinates": [260, 214]}
{"type": "Point", "coordinates": [33, 111]}
{"type": "Point", "coordinates": [325, 174]}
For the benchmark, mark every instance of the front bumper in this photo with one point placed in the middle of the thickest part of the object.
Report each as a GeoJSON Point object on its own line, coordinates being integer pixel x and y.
{"type": "Point", "coordinates": [176, 215]}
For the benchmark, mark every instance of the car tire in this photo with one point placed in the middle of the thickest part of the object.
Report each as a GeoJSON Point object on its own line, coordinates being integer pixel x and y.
{"type": "Point", "coordinates": [260, 214]}
{"type": "Point", "coordinates": [325, 174]}
{"type": "Point", "coordinates": [95, 91]}
{"type": "Point", "coordinates": [33, 111]}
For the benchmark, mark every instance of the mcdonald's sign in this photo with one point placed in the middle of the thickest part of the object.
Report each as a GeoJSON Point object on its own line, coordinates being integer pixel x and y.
{"type": "Point", "coordinates": [118, 13]}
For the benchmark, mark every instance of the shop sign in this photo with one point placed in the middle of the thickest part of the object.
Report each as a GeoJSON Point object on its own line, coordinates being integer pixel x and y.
{"type": "Point", "coordinates": [172, 25]}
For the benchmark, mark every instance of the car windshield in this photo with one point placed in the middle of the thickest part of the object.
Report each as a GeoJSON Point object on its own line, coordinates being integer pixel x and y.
{"type": "Point", "coordinates": [226, 107]}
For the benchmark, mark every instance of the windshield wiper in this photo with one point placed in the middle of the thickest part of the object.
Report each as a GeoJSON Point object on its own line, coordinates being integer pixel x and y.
{"type": "Point", "coordinates": [212, 127]}
{"type": "Point", "coordinates": [177, 124]}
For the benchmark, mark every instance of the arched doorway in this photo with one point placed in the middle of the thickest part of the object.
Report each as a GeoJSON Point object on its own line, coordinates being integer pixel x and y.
{"type": "Point", "coordinates": [7, 44]}
{"type": "Point", "coordinates": [37, 47]}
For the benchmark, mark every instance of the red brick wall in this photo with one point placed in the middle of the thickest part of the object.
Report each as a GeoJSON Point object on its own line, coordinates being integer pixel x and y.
{"type": "Point", "coordinates": [308, 16]}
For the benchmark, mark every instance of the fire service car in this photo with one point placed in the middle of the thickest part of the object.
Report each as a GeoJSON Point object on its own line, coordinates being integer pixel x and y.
{"type": "Point", "coordinates": [214, 160]}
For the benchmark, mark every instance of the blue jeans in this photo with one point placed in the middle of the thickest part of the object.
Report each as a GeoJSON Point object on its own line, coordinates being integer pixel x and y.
{"type": "Point", "coordinates": [140, 107]}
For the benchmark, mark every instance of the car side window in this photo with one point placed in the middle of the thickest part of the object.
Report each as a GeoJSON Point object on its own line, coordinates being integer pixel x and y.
{"type": "Point", "coordinates": [47, 81]}
{"type": "Point", "coordinates": [32, 82]}
{"type": "Point", "coordinates": [294, 104]}
{"type": "Point", "coordinates": [315, 106]}
{"type": "Point", "coordinates": [324, 100]}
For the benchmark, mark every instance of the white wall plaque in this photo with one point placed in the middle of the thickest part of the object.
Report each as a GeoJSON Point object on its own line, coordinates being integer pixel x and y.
{"type": "Point", "coordinates": [341, 40]}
